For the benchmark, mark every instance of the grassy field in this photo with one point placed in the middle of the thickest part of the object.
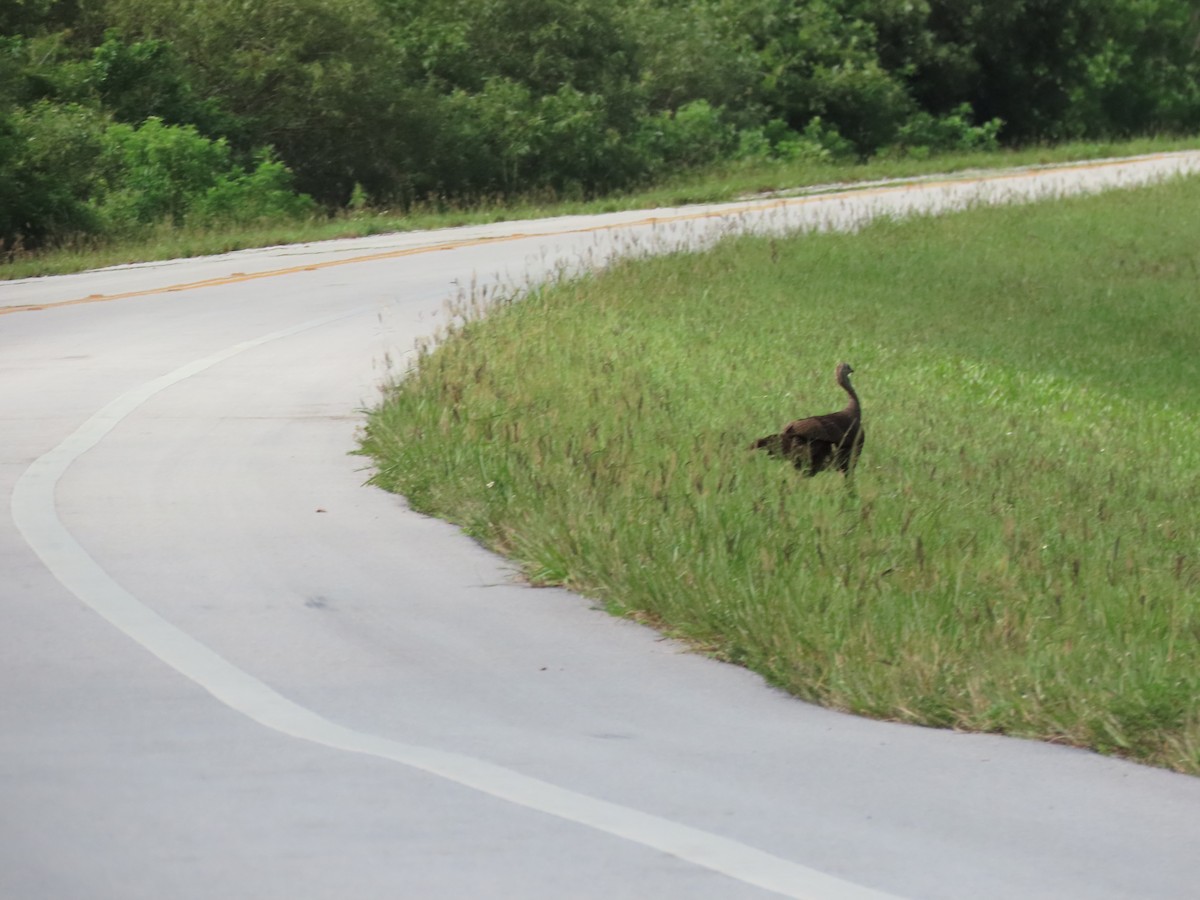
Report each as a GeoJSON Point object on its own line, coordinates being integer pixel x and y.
{"type": "Point", "coordinates": [713, 185]}
{"type": "Point", "coordinates": [1019, 551]}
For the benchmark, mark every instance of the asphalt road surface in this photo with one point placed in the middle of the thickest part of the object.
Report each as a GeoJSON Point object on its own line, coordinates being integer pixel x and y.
{"type": "Point", "coordinates": [230, 670]}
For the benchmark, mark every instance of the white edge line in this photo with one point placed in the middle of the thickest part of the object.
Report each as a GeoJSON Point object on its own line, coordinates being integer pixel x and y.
{"type": "Point", "coordinates": [35, 515]}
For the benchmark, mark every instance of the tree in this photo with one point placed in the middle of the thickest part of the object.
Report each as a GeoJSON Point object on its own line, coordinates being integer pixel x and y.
{"type": "Point", "coordinates": [819, 62]}
{"type": "Point", "coordinates": [48, 161]}
{"type": "Point", "coordinates": [32, 17]}
{"type": "Point", "coordinates": [686, 51]}
{"type": "Point", "coordinates": [1145, 74]}
{"type": "Point", "coordinates": [542, 44]}
{"type": "Point", "coordinates": [142, 79]}
{"type": "Point", "coordinates": [315, 79]}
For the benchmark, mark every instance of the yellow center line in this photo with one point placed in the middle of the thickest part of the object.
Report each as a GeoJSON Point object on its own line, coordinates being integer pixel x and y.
{"type": "Point", "coordinates": [724, 210]}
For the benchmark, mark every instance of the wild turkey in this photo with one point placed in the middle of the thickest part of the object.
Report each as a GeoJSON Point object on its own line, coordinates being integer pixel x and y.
{"type": "Point", "coordinates": [821, 442]}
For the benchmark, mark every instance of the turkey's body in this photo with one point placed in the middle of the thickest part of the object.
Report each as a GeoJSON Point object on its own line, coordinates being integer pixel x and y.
{"type": "Point", "coordinates": [834, 440]}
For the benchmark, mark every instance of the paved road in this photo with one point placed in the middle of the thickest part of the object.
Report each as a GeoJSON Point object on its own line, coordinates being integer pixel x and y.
{"type": "Point", "coordinates": [230, 670]}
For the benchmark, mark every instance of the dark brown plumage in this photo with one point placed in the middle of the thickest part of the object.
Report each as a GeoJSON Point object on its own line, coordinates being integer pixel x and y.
{"type": "Point", "coordinates": [821, 442]}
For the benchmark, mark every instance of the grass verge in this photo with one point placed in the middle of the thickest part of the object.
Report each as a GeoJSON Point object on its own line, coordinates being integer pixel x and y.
{"type": "Point", "coordinates": [1018, 551]}
{"type": "Point", "coordinates": [712, 185]}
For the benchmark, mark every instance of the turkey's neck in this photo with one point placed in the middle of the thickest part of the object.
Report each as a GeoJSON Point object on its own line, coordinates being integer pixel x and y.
{"type": "Point", "coordinates": [853, 405]}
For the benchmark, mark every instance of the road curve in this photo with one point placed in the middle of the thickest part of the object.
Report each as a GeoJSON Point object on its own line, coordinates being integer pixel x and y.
{"type": "Point", "coordinates": [232, 671]}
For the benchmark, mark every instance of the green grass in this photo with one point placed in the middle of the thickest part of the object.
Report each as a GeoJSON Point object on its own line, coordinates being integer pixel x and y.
{"type": "Point", "coordinates": [712, 185]}
{"type": "Point", "coordinates": [1020, 549]}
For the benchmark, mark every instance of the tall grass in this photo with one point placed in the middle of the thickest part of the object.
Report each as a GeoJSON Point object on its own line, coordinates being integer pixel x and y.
{"type": "Point", "coordinates": [1019, 551]}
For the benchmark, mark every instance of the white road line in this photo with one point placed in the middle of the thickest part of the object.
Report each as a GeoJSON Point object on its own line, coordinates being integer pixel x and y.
{"type": "Point", "coordinates": [36, 517]}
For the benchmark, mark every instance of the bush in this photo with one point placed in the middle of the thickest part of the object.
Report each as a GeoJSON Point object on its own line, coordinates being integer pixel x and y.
{"type": "Point", "coordinates": [776, 141]}
{"type": "Point", "coordinates": [693, 135]}
{"type": "Point", "coordinates": [924, 134]}
{"type": "Point", "coordinates": [577, 149]}
{"type": "Point", "coordinates": [239, 197]}
{"type": "Point", "coordinates": [484, 139]}
{"type": "Point", "coordinates": [865, 102]}
{"type": "Point", "coordinates": [504, 140]}
{"type": "Point", "coordinates": [156, 171]}
{"type": "Point", "coordinates": [828, 138]}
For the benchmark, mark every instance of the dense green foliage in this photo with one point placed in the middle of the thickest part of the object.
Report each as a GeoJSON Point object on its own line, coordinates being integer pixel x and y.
{"type": "Point", "coordinates": [225, 108]}
{"type": "Point", "coordinates": [1017, 551]}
